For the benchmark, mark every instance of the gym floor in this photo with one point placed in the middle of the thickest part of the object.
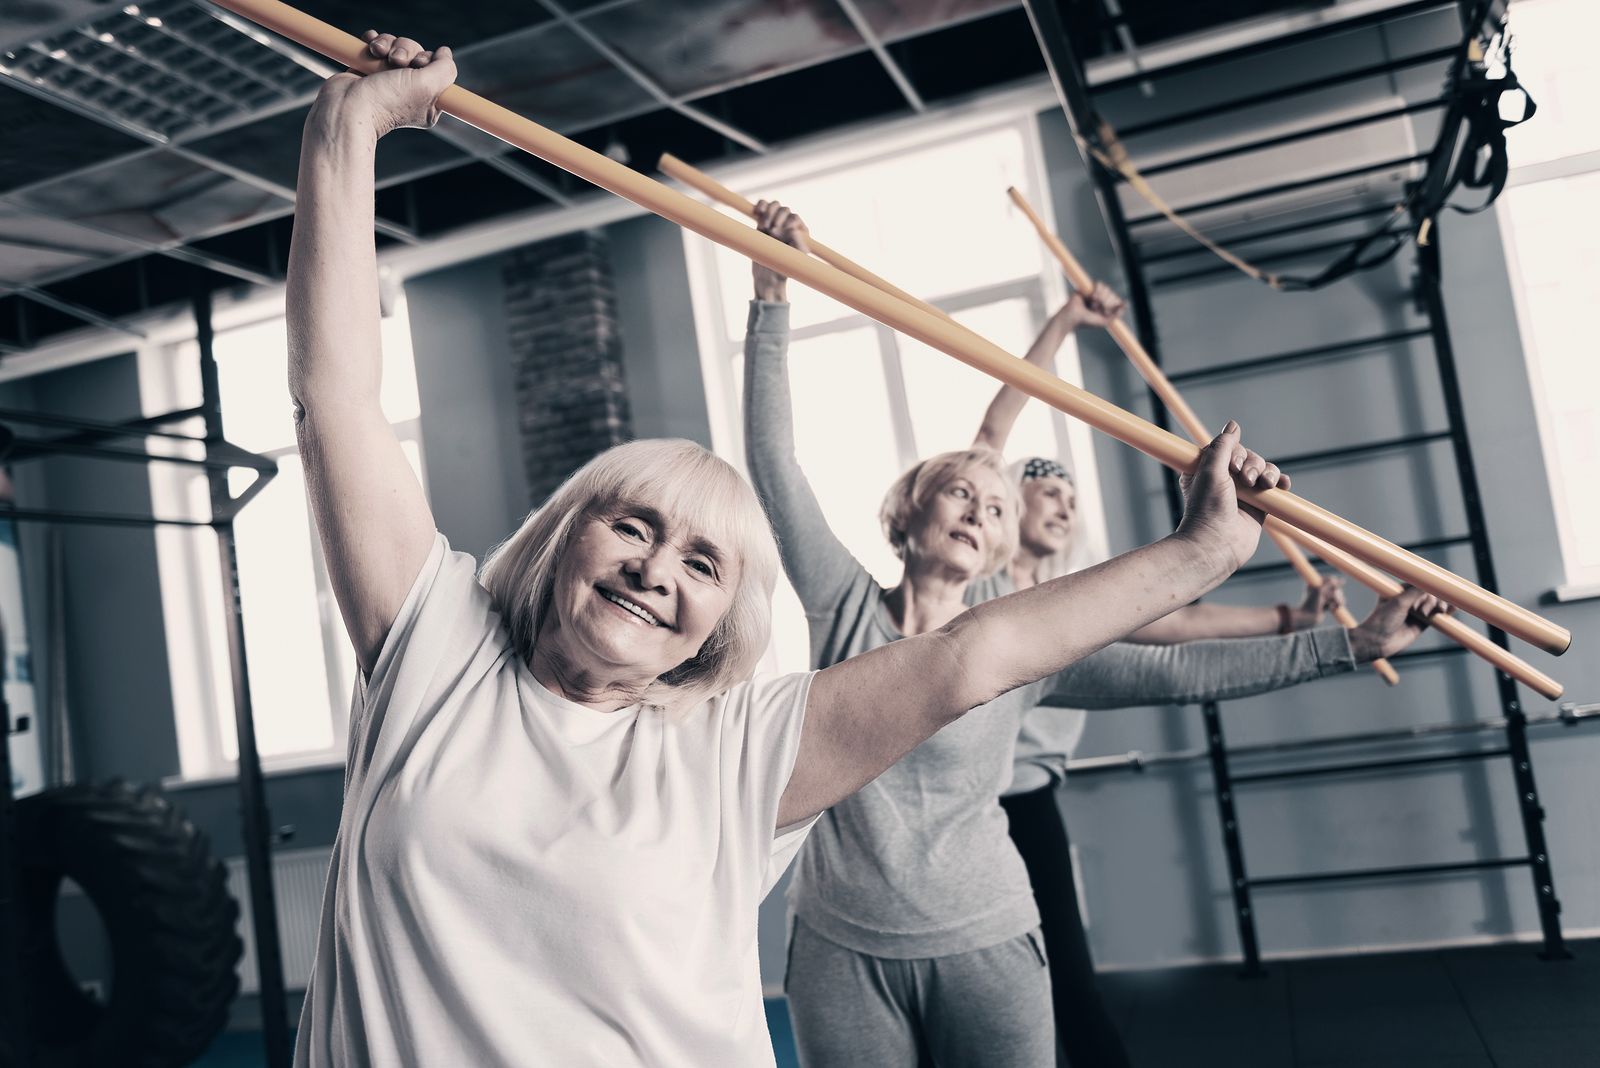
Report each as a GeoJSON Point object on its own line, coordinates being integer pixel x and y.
{"type": "Point", "coordinates": [1498, 1006]}
{"type": "Point", "coordinates": [1485, 1007]}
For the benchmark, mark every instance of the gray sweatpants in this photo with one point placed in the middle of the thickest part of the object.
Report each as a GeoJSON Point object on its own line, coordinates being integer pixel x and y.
{"type": "Point", "coordinates": [989, 1008]}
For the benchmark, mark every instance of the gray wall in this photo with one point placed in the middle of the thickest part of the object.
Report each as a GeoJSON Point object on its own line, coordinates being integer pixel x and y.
{"type": "Point", "coordinates": [1155, 872]}
{"type": "Point", "coordinates": [666, 392]}
{"type": "Point", "coordinates": [469, 419]}
{"type": "Point", "coordinates": [116, 655]}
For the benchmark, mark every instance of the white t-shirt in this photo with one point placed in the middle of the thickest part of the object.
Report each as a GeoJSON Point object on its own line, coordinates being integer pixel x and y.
{"type": "Point", "coordinates": [519, 880]}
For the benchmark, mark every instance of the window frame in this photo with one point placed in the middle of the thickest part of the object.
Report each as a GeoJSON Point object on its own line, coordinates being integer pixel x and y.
{"type": "Point", "coordinates": [198, 661]}
{"type": "Point", "coordinates": [1040, 285]}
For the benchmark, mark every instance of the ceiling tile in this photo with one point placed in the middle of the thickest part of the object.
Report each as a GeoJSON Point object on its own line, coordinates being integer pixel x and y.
{"type": "Point", "coordinates": [837, 93]}
{"type": "Point", "coordinates": [34, 246]}
{"type": "Point", "coordinates": [124, 289]}
{"type": "Point", "coordinates": [555, 78]}
{"type": "Point", "coordinates": [891, 19]}
{"type": "Point", "coordinates": [468, 138]}
{"type": "Point", "coordinates": [429, 21]}
{"type": "Point", "coordinates": [24, 22]}
{"type": "Point", "coordinates": [469, 194]}
{"type": "Point", "coordinates": [26, 323]}
{"type": "Point", "coordinates": [690, 46]}
{"type": "Point", "coordinates": [270, 149]}
{"type": "Point", "coordinates": [581, 6]}
{"type": "Point", "coordinates": [42, 140]}
{"type": "Point", "coordinates": [163, 66]}
{"type": "Point", "coordinates": [971, 56]}
{"type": "Point", "coordinates": [645, 137]}
{"type": "Point", "coordinates": [156, 198]}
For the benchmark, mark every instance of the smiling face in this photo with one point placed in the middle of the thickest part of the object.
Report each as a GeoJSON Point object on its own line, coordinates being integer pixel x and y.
{"type": "Point", "coordinates": [962, 524]}
{"type": "Point", "coordinates": [1049, 515]}
{"type": "Point", "coordinates": [637, 594]}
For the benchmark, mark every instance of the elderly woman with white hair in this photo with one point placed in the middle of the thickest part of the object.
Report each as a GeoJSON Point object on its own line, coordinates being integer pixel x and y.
{"type": "Point", "coordinates": [565, 796]}
{"type": "Point", "coordinates": [915, 934]}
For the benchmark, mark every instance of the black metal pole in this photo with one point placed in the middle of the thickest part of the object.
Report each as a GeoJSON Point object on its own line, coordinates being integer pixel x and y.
{"type": "Point", "coordinates": [1072, 89]}
{"type": "Point", "coordinates": [1431, 294]}
{"type": "Point", "coordinates": [14, 1006]}
{"type": "Point", "coordinates": [252, 793]}
{"type": "Point", "coordinates": [1238, 880]}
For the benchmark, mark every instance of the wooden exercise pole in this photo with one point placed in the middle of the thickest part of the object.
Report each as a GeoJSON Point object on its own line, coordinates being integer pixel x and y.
{"type": "Point", "coordinates": [1451, 627]}
{"type": "Point", "coordinates": [695, 178]}
{"type": "Point", "coordinates": [1286, 537]}
{"type": "Point", "coordinates": [908, 318]}
{"type": "Point", "coordinates": [1158, 382]}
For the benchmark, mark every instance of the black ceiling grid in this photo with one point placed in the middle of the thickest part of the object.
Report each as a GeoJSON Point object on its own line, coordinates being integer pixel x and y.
{"type": "Point", "coordinates": [153, 146]}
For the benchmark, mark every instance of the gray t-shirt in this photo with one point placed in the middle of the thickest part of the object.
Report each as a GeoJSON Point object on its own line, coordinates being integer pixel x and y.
{"type": "Point", "coordinates": [918, 863]}
{"type": "Point", "coordinates": [1048, 735]}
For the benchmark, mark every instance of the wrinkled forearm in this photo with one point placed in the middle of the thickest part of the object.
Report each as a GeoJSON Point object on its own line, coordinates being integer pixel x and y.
{"type": "Point", "coordinates": [332, 292]}
{"type": "Point", "coordinates": [1198, 622]}
{"type": "Point", "coordinates": [1029, 636]}
{"type": "Point", "coordinates": [1008, 403]}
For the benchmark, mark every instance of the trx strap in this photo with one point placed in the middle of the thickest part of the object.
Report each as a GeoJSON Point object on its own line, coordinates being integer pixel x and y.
{"type": "Point", "coordinates": [1470, 151]}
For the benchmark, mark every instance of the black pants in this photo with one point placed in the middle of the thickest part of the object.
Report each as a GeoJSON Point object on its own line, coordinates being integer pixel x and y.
{"type": "Point", "coordinates": [1084, 1031]}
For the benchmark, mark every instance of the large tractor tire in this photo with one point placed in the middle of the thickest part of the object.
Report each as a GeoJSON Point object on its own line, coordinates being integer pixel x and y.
{"type": "Point", "coordinates": [167, 912]}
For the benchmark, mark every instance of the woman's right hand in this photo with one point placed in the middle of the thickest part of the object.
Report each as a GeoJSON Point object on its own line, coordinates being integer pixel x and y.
{"type": "Point", "coordinates": [775, 220]}
{"type": "Point", "coordinates": [1100, 307]}
{"type": "Point", "coordinates": [403, 93]}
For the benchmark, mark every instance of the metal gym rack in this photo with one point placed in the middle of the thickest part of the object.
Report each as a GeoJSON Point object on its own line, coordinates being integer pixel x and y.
{"type": "Point", "coordinates": [90, 439]}
{"type": "Point", "coordinates": [1078, 98]}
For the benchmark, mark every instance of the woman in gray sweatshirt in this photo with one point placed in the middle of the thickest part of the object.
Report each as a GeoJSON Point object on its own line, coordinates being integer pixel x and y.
{"type": "Point", "coordinates": [915, 931]}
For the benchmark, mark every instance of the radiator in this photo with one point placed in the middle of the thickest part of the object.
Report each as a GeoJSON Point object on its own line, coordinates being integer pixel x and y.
{"type": "Point", "coordinates": [297, 879]}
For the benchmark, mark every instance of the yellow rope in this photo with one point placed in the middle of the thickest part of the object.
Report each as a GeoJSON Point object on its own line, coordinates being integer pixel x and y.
{"type": "Point", "coordinates": [1115, 157]}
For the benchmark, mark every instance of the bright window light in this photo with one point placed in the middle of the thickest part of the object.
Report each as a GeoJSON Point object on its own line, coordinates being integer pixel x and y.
{"type": "Point", "coordinates": [1554, 244]}
{"type": "Point", "coordinates": [1553, 53]}
{"type": "Point", "coordinates": [1552, 240]}
{"type": "Point", "coordinates": [868, 402]}
{"type": "Point", "coordinates": [302, 670]}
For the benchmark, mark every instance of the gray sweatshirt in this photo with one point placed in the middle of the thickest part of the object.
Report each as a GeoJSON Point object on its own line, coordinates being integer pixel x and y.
{"type": "Point", "coordinates": [918, 863]}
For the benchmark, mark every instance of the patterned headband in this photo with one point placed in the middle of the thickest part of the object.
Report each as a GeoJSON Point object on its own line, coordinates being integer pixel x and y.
{"type": "Point", "coordinates": [1041, 467]}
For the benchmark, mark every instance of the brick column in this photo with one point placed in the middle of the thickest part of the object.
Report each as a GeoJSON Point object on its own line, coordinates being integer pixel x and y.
{"type": "Point", "coordinates": [566, 356]}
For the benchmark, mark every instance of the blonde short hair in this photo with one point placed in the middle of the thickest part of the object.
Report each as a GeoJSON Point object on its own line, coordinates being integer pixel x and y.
{"type": "Point", "coordinates": [688, 485]}
{"type": "Point", "coordinates": [911, 492]}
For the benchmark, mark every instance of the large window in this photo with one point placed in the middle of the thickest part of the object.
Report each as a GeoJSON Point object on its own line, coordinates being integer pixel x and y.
{"type": "Point", "coordinates": [1553, 246]}
{"type": "Point", "coordinates": [934, 219]}
{"type": "Point", "coordinates": [301, 667]}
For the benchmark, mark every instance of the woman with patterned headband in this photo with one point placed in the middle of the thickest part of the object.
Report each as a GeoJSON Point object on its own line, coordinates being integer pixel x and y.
{"type": "Point", "coordinates": [915, 935]}
{"type": "Point", "coordinates": [1047, 545]}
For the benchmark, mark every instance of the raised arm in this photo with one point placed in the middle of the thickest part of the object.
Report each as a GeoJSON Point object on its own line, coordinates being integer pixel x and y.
{"type": "Point", "coordinates": [818, 565]}
{"type": "Point", "coordinates": [867, 712]}
{"type": "Point", "coordinates": [1099, 308]}
{"type": "Point", "coordinates": [371, 515]}
{"type": "Point", "coordinates": [1197, 622]}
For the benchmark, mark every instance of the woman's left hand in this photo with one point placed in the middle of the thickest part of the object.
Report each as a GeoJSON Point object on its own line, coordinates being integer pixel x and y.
{"type": "Point", "coordinates": [1099, 307]}
{"type": "Point", "coordinates": [1395, 623]}
{"type": "Point", "coordinates": [775, 220]}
